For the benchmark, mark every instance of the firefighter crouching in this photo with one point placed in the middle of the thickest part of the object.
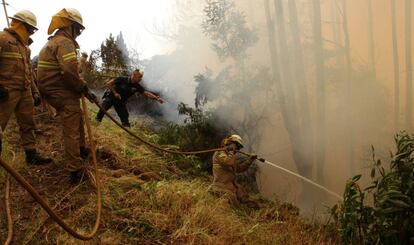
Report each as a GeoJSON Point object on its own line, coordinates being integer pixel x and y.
{"type": "Point", "coordinates": [119, 90]}
{"type": "Point", "coordinates": [18, 93]}
{"type": "Point", "coordinates": [225, 168]}
{"type": "Point", "coordinates": [60, 84]}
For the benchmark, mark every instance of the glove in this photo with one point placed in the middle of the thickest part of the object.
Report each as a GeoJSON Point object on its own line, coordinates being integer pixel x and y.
{"type": "Point", "coordinates": [37, 100]}
{"type": "Point", "coordinates": [4, 93]}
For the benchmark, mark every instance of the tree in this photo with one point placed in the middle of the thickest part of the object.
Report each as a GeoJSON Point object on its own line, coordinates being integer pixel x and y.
{"type": "Point", "coordinates": [396, 67]}
{"type": "Point", "coordinates": [228, 30]}
{"type": "Point", "coordinates": [320, 87]}
{"type": "Point", "coordinates": [231, 38]}
{"type": "Point", "coordinates": [113, 62]}
{"type": "Point", "coordinates": [299, 75]}
{"type": "Point", "coordinates": [348, 80]}
{"type": "Point", "coordinates": [371, 40]}
{"type": "Point", "coordinates": [120, 43]}
{"type": "Point", "coordinates": [408, 66]}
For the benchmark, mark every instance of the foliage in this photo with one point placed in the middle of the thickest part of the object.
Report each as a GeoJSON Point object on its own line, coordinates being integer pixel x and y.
{"type": "Point", "coordinates": [238, 92]}
{"type": "Point", "coordinates": [203, 90]}
{"type": "Point", "coordinates": [226, 26]}
{"type": "Point", "coordinates": [113, 60]}
{"type": "Point", "coordinates": [199, 131]}
{"type": "Point", "coordinates": [382, 213]}
{"type": "Point", "coordinates": [110, 60]}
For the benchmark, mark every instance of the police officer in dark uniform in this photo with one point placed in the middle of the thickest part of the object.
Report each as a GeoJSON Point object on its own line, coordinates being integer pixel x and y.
{"type": "Point", "coordinates": [118, 92]}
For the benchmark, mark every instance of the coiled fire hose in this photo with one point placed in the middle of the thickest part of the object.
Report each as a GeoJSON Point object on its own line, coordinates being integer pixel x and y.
{"type": "Point", "coordinates": [32, 191]}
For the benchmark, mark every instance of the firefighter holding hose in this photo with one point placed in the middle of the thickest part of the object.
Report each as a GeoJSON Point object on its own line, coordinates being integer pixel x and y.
{"type": "Point", "coordinates": [62, 87]}
{"type": "Point", "coordinates": [225, 168]}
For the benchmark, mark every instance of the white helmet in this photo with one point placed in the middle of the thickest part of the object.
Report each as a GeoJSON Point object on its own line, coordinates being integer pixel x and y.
{"type": "Point", "coordinates": [75, 16]}
{"type": "Point", "coordinates": [234, 138]}
{"type": "Point", "coordinates": [27, 17]}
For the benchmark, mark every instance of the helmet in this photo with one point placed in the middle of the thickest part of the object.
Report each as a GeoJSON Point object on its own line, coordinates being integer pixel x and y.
{"type": "Point", "coordinates": [234, 138]}
{"type": "Point", "coordinates": [65, 18]}
{"type": "Point", "coordinates": [75, 16]}
{"type": "Point", "coordinates": [27, 17]}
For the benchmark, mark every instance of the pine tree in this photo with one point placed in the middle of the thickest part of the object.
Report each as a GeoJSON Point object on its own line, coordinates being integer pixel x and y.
{"type": "Point", "coordinates": [113, 62]}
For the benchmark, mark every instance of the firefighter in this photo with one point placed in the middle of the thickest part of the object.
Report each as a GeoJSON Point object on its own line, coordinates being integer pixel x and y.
{"type": "Point", "coordinates": [83, 65]}
{"type": "Point", "coordinates": [45, 105]}
{"type": "Point", "coordinates": [61, 86]}
{"type": "Point", "coordinates": [225, 168]}
{"type": "Point", "coordinates": [18, 92]}
{"type": "Point", "coordinates": [119, 91]}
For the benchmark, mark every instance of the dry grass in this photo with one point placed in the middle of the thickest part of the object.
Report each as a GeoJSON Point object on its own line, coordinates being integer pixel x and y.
{"type": "Point", "coordinates": [147, 200]}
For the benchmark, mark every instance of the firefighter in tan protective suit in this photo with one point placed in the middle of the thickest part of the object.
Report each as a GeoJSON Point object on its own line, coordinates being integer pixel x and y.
{"type": "Point", "coordinates": [62, 87]}
{"type": "Point", "coordinates": [83, 65]}
{"type": "Point", "coordinates": [225, 168]}
{"type": "Point", "coordinates": [18, 92]}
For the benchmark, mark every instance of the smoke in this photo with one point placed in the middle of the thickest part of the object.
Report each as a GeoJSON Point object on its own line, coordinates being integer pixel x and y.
{"type": "Point", "coordinates": [243, 93]}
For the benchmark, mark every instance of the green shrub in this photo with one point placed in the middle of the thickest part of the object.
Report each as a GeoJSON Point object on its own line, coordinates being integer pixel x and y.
{"type": "Point", "coordinates": [383, 212]}
{"type": "Point", "coordinates": [199, 131]}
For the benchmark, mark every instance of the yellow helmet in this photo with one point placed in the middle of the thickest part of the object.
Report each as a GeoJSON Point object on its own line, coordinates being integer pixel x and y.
{"type": "Point", "coordinates": [65, 18]}
{"type": "Point", "coordinates": [27, 17]}
{"type": "Point", "coordinates": [75, 16]}
{"type": "Point", "coordinates": [234, 138]}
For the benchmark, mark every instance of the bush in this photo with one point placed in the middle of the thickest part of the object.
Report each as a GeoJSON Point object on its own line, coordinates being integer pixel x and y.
{"type": "Point", "coordinates": [200, 131]}
{"type": "Point", "coordinates": [382, 213]}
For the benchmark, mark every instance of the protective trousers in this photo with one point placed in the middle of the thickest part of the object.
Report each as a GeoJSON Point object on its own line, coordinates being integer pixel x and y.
{"type": "Point", "coordinates": [73, 130]}
{"type": "Point", "coordinates": [21, 103]}
{"type": "Point", "coordinates": [120, 108]}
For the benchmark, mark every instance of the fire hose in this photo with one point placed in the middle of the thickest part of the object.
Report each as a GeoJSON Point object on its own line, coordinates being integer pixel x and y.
{"type": "Point", "coordinates": [89, 236]}
{"type": "Point", "coordinates": [212, 150]}
{"type": "Point", "coordinates": [152, 145]}
{"type": "Point", "coordinates": [32, 191]}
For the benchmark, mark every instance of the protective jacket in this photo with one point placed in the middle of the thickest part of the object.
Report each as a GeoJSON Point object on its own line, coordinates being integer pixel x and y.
{"type": "Point", "coordinates": [225, 167]}
{"type": "Point", "coordinates": [57, 70]}
{"type": "Point", "coordinates": [15, 67]}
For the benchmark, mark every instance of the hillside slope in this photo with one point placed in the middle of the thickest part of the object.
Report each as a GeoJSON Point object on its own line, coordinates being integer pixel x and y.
{"type": "Point", "coordinates": [148, 198]}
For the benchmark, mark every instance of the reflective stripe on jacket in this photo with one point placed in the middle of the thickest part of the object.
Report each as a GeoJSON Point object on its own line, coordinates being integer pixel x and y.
{"type": "Point", "coordinates": [57, 70]}
{"type": "Point", "coordinates": [15, 64]}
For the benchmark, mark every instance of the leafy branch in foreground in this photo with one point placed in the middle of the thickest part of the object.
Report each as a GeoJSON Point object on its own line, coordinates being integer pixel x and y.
{"type": "Point", "coordinates": [383, 212]}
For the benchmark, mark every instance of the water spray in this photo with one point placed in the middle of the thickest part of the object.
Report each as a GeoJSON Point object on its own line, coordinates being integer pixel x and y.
{"type": "Point", "coordinates": [294, 174]}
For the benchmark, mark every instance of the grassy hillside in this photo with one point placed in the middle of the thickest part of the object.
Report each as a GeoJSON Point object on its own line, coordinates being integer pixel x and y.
{"type": "Point", "coordinates": [148, 198]}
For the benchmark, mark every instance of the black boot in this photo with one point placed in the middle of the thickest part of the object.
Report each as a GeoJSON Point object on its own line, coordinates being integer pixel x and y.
{"type": "Point", "coordinates": [126, 124]}
{"type": "Point", "coordinates": [84, 152]}
{"type": "Point", "coordinates": [34, 158]}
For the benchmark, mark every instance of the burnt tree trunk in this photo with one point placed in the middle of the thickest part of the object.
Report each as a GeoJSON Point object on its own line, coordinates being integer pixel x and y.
{"type": "Point", "coordinates": [296, 132]}
{"type": "Point", "coordinates": [408, 65]}
{"type": "Point", "coordinates": [371, 40]}
{"type": "Point", "coordinates": [300, 79]}
{"type": "Point", "coordinates": [320, 89]}
{"type": "Point", "coordinates": [396, 67]}
{"type": "Point", "coordinates": [336, 33]}
{"type": "Point", "coordinates": [348, 80]}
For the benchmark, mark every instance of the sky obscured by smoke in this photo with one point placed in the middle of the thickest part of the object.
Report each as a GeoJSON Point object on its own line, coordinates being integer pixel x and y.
{"type": "Point", "coordinates": [372, 101]}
